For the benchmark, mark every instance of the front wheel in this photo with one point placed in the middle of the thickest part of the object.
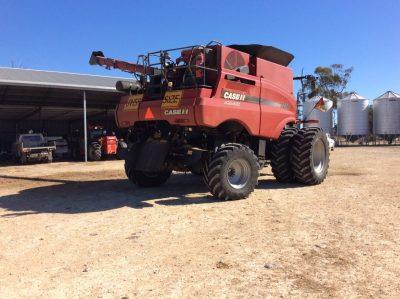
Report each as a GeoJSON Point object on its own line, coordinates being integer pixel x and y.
{"type": "Point", "coordinates": [232, 172]}
{"type": "Point", "coordinates": [310, 156]}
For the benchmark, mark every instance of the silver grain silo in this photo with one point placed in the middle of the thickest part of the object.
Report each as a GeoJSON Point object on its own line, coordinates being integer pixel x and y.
{"type": "Point", "coordinates": [387, 114]}
{"type": "Point", "coordinates": [324, 117]}
{"type": "Point", "coordinates": [352, 116]}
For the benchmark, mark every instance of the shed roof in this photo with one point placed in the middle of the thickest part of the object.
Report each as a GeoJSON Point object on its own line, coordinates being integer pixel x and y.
{"type": "Point", "coordinates": [33, 94]}
{"type": "Point", "coordinates": [51, 79]}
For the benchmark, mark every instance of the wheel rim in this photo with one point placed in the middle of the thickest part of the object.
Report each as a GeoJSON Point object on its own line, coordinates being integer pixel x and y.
{"type": "Point", "coordinates": [319, 155]}
{"type": "Point", "coordinates": [239, 173]}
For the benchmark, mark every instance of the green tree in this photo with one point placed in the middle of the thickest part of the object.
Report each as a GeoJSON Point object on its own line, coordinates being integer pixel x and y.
{"type": "Point", "coordinates": [330, 82]}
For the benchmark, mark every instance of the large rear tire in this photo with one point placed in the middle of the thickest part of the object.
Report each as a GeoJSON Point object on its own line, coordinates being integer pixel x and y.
{"type": "Point", "coordinates": [143, 178]}
{"type": "Point", "coordinates": [310, 156]}
{"type": "Point", "coordinates": [280, 156]}
{"type": "Point", "coordinates": [94, 152]}
{"type": "Point", "coordinates": [232, 172]}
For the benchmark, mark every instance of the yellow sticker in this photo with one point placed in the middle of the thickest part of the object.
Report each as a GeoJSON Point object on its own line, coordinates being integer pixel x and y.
{"type": "Point", "coordinates": [172, 99]}
{"type": "Point", "coordinates": [133, 102]}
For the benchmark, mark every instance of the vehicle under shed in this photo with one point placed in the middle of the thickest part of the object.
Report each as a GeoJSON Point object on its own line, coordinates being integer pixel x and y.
{"type": "Point", "coordinates": [54, 103]}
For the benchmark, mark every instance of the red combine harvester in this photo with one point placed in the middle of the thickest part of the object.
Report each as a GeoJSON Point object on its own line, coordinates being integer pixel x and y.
{"type": "Point", "coordinates": [220, 111]}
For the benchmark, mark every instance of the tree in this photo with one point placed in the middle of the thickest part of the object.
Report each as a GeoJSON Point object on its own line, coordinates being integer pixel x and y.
{"type": "Point", "coordinates": [330, 82]}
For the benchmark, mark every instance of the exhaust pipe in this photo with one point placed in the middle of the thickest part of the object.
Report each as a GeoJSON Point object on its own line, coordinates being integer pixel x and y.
{"type": "Point", "coordinates": [127, 86]}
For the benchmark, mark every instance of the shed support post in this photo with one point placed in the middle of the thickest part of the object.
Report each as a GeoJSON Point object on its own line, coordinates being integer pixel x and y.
{"type": "Point", "coordinates": [85, 125]}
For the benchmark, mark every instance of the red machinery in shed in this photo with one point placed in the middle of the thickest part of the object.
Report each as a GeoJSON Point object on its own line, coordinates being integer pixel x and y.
{"type": "Point", "coordinates": [100, 145]}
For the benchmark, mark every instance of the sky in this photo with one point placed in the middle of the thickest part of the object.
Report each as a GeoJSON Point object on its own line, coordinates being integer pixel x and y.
{"type": "Point", "coordinates": [60, 35]}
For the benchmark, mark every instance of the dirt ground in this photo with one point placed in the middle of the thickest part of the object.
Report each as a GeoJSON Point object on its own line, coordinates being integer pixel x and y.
{"type": "Point", "coordinates": [69, 229]}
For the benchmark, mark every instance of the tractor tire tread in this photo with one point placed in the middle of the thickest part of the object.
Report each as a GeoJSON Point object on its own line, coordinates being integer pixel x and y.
{"type": "Point", "coordinates": [280, 156]}
{"type": "Point", "coordinates": [301, 157]}
{"type": "Point", "coordinates": [213, 177]}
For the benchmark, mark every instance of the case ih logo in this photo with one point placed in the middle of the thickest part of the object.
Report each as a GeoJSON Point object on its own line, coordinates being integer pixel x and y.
{"type": "Point", "coordinates": [183, 111]}
{"type": "Point", "coordinates": [231, 95]}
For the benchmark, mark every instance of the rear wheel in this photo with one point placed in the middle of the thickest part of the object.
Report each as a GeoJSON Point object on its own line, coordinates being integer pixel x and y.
{"type": "Point", "coordinates": [232, 172]}
{"type": "Point", "coordinates": [144, 178]}
{"type": "Point", "coordinates": [310, 156]}
{"type": "Point", "coordinates": [280, 156]}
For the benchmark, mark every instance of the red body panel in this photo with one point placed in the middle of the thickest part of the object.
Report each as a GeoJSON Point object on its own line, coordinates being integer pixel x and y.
{"type": "Point", "coordinates": [211, 112]}
{"type": "Point", "coordinates": [109, 144]}
{"type": "Point", "coordinates": [152, 110]}
{"type": "Point", "coordinates": [276, 86]}
{"type": "Point", "coordinates": [261, 101]}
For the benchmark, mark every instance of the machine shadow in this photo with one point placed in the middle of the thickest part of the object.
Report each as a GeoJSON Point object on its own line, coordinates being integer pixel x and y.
{"type": "Point", "coordinates": [272, 184]}
{"type": "Point", "coordinates": [71, 197]}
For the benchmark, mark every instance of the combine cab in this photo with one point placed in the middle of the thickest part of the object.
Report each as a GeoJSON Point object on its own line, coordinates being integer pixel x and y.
{"type": "Point", "coordinates": [220, 111]}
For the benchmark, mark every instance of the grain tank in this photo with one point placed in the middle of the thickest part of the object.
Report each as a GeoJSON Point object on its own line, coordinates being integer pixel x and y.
{"type": "Point", "coordinates": [386, 112]}
{"type": "Point", "coordinates": [352, 113]}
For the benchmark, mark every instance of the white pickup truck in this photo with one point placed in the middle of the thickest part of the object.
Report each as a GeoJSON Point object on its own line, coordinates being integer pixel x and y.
{"type": "Point", "coordinates": [33, 147]}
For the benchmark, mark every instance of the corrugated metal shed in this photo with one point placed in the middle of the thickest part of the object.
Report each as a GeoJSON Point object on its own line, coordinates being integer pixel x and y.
{"type": "Point", "coordinates": [36, 78]}
{"type": "Point", "coordinates": [53, 102]}
{"type": "Point", "coordinates": [32, 94]}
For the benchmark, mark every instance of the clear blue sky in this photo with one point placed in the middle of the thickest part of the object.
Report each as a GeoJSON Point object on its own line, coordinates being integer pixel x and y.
{"type": "Point", "coordinates": [60, 35]}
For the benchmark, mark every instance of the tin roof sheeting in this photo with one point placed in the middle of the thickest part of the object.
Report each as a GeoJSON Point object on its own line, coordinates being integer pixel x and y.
{"type": "Point", "coordinates": [37, 78]}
